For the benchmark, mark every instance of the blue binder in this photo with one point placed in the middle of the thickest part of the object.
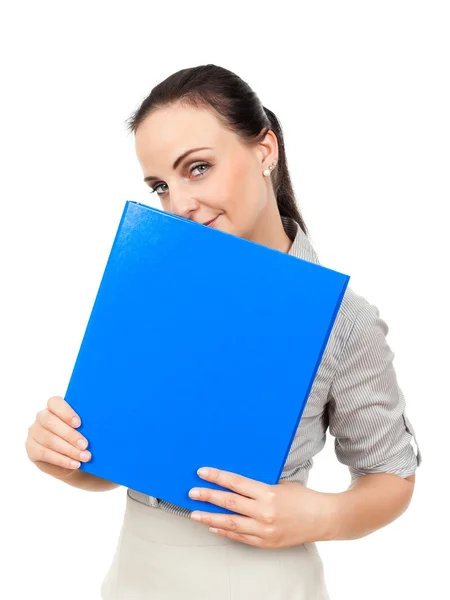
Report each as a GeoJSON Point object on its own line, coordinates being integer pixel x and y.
{"type": "Point", "coordinates": [200, 350]}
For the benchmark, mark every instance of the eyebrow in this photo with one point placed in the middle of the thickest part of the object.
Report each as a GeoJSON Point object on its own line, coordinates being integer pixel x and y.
{"type": "Point", "coordinates": [177, 162]}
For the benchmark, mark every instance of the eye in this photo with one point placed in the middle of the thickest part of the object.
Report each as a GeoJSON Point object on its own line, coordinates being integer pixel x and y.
{"type": "Point", "coordinates": [153, 189]}
{"type": "Point", "coordinates": [156, 187]}
{"type": "Point", "coordinates": [201, 165]}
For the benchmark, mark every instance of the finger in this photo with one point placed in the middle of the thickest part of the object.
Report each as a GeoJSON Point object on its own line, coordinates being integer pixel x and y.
{"type": "Point", "coordinates": [61, 408]}
{"type": "Point", "coordinates": [233, 523]}
{"type": "Point", "coordinates": [229, 500]}
{"type": "Point", "coordinates": [238, 483]}
{"type": "Point", "coordinates": [50, 421]}
{"type": "Point", "coordinates": [39, 453]}
{"type": "Point", "coordinates": [250, 540]}
{"type": "Point", "coordinates": [49, 440]}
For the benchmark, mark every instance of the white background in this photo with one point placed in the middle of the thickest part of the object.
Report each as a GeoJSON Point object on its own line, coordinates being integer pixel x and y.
{"type": "Point", "coordinates": [362, 92]}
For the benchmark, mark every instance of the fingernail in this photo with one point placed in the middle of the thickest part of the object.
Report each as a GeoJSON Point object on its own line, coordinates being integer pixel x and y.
{"type": "Point", "coordinates": [76, 422]}
{"type": "Point", "coordinates": [85, 455]}
{"type": "Point", "coordinates": [203, 471]}
{"type": "Point", "coordinates": [75, 464]}
{"type": "Point", "coordinates": [194, 493]}
{"type": "Point", "coordinates": [196, 517]}
{"type": "Point", "coordinates": [82, 444]}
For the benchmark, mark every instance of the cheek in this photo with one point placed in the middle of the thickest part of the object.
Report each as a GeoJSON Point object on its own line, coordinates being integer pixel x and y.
{"type": "Point", "coordinates": [240, 192]}
{"type": "Point", "coordinates": [240, 195]}
{"type": "Point", "coordinates": [224, 192]}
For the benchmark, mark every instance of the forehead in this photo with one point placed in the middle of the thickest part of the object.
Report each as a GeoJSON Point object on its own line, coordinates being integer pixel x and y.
{"type": "Point", "coordinates": [168, 132]}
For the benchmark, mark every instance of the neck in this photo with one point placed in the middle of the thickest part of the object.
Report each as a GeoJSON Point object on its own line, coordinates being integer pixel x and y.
{"type": "Point", "coordinates": [270, 231]}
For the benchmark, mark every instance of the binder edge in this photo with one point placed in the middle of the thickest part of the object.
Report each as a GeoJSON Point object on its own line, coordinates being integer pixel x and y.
{"type": "Point", "coordinates": [90, 319]}
{"type": "Point", "coordinates": [346, 279]}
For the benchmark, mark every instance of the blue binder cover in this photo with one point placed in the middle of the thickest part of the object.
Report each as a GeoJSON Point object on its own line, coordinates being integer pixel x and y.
{"type": "Point", "coordinates": [200, 350]}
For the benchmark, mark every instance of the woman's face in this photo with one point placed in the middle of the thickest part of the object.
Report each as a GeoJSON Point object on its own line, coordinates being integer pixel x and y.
{"type": "Point", "coordinates": [224, 181]}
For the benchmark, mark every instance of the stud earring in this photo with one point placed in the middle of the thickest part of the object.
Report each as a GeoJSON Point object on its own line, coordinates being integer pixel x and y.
{"type": "Point", "coordinates": [267, 172]}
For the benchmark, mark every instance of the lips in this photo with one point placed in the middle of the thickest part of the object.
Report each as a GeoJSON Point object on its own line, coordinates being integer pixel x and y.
{"type": "Point", "coordinates": [211, 222]}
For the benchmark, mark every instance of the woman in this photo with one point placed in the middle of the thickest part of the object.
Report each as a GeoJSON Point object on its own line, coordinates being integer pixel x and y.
{"type": "Point", "coordinates": [213, 154]}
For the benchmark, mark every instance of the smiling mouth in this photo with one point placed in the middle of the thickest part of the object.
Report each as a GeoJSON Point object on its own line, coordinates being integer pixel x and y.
{"type": "Point", "coordinates": [211, 223]}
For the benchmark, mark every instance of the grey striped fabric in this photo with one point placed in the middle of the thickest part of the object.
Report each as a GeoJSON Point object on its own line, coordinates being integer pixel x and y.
{"type": "Point", "coordinates": [355, 395]}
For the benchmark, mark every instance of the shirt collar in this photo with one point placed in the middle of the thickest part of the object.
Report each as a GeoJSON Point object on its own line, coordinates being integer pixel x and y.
{"type": "Point", "coordinates": [301, 246]}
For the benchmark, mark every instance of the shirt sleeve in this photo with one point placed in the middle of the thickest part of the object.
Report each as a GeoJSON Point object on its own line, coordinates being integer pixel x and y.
{"type": "Point", "coordinates": [366, 407]}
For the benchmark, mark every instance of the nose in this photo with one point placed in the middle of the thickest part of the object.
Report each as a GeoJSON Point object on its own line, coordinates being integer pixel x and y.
{"type": "Point", "coordinates": [181, 202]}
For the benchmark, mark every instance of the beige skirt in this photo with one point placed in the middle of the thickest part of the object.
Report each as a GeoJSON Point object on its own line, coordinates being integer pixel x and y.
{"type": "Point", "coordinates": [162, 556]}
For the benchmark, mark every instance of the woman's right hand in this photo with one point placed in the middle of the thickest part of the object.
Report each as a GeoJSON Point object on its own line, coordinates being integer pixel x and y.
{"type": "Point", "coordinates": [53, 443]}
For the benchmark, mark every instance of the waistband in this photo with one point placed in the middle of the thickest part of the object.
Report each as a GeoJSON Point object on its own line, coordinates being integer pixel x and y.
{"type": "Point", "coordinates": [155, 525]}
{"type": "Point", "coordinates": [143, 498]}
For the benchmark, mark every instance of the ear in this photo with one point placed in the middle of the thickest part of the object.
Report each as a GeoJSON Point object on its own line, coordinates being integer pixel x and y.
{"type": "Point", "coordinates": [267, 149]}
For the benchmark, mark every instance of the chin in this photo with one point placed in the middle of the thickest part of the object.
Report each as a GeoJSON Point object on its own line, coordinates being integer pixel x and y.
{"type": "Point", "coordinates": [222, 225]}
{"type": "Point", "coordinates": [226, 226]}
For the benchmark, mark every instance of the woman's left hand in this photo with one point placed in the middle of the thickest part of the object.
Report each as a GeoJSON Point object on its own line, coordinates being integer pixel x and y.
{"type": "Point", "coordinates": [270, 516]}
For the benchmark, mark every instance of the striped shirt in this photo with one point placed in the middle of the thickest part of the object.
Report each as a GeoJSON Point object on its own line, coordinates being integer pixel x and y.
{"type": "Point", "coordinates": [355, 395]}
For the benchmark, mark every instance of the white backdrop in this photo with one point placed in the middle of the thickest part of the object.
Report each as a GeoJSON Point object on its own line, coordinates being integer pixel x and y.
{"type": "Point", "coordinates": [362, 92]}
